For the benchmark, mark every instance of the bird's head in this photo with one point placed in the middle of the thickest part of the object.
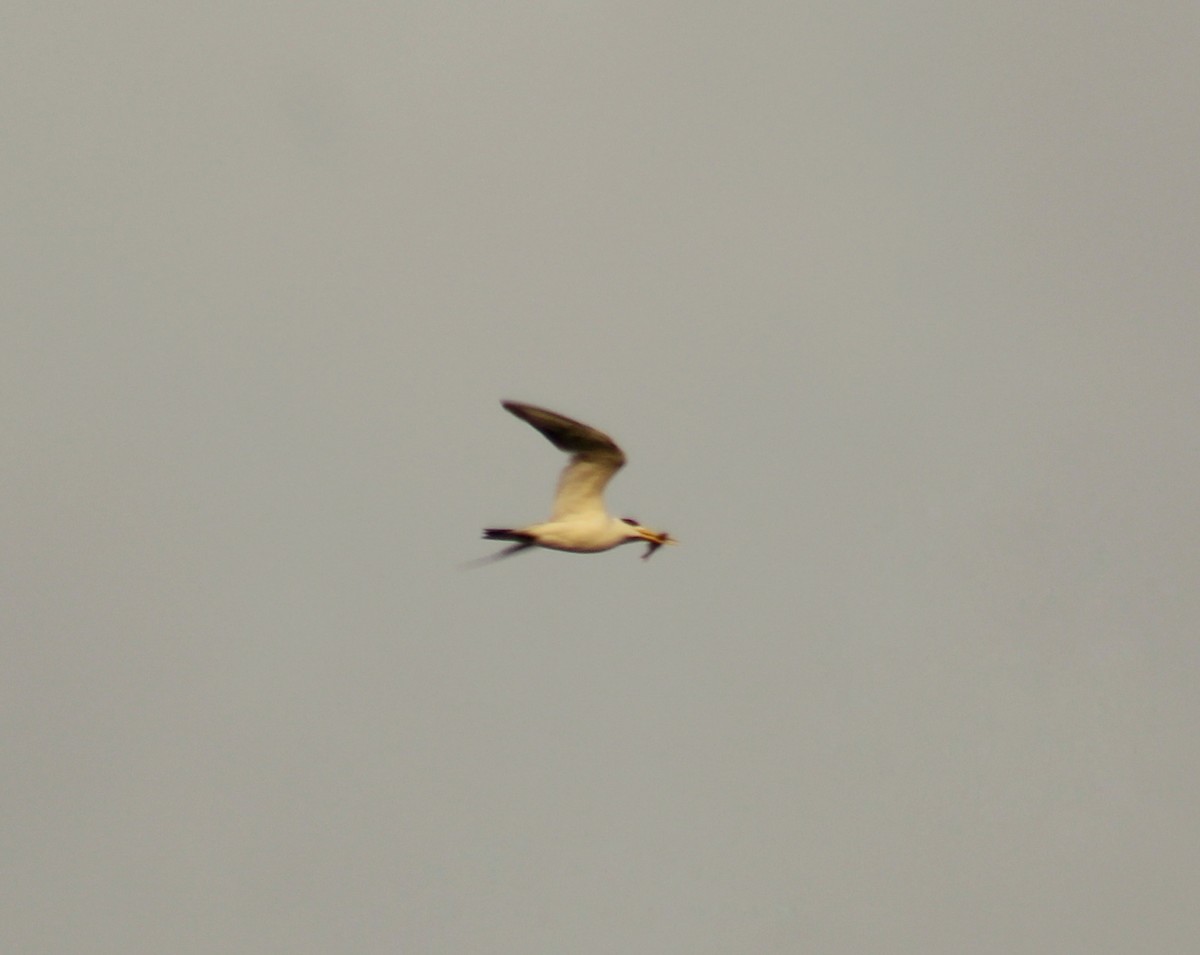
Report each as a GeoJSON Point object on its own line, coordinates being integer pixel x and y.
{"type": "Point", "coordinates": [654, 538]}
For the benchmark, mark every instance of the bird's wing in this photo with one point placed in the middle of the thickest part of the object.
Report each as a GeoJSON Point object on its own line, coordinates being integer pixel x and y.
{"type": "Point", "coordinates": [595, 458]}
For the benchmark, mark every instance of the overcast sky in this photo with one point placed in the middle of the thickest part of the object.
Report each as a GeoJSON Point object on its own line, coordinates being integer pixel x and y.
{"type": "Point", "coordinates": [895, 309]}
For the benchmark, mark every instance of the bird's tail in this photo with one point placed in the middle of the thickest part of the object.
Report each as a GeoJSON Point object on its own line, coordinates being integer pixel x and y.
{"type": "Point", "coordinates": [506, 534]}
{"type": "Point", "coordinates": [521, 541]}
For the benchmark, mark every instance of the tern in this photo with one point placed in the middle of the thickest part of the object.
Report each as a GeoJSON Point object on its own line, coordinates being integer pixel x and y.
{"type": "Point", "coordinates": [579, 522]}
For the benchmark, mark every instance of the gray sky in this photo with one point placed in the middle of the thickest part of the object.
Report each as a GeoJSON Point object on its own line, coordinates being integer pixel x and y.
{"type": "Point", "coordinates": [894, 309]}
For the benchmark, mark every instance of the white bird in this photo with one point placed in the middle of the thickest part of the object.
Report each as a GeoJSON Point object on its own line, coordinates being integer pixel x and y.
{"type": "Point", "coordinates": [579, 522]}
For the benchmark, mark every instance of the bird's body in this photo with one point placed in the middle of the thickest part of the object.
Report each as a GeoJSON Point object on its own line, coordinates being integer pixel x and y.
{"type": "Point", "coordinates": [579, 521]}
{"type": "Point", "coordinates": [581, 535]}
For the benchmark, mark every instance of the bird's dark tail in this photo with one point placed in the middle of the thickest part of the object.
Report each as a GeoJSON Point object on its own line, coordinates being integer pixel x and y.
{"type": "Point", "coordinates": [522, 541]}
{"type": "Point", "coordinates": [505, 534]}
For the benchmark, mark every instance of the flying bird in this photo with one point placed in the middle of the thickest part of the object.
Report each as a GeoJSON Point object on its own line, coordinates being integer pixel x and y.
{"type": "Point", "coordinates": [578, 523]}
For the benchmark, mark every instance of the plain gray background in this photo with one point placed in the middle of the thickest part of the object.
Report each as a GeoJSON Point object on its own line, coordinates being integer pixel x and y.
{"type": "Point", "coordinates": [893, 308]}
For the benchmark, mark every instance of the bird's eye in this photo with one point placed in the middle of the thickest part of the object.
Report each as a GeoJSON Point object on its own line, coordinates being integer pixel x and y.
{"type": "Point", "coordinates": [631, 520]}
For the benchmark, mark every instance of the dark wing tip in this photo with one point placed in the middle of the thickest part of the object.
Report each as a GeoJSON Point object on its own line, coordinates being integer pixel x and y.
{"type": "Point", "coordinates": [528, 413]}
{"type": "Point", "coordinates": [565, 433]}
{"type": "Point", "coordinates": [533, 413]}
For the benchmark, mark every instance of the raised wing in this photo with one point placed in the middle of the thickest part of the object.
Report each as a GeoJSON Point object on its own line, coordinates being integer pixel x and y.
{"type": "Point", "coordinates": [595, 458]}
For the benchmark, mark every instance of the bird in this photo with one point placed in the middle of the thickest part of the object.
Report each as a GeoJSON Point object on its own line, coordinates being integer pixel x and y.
{"type": "Point", "coordinates": [578, 521]}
